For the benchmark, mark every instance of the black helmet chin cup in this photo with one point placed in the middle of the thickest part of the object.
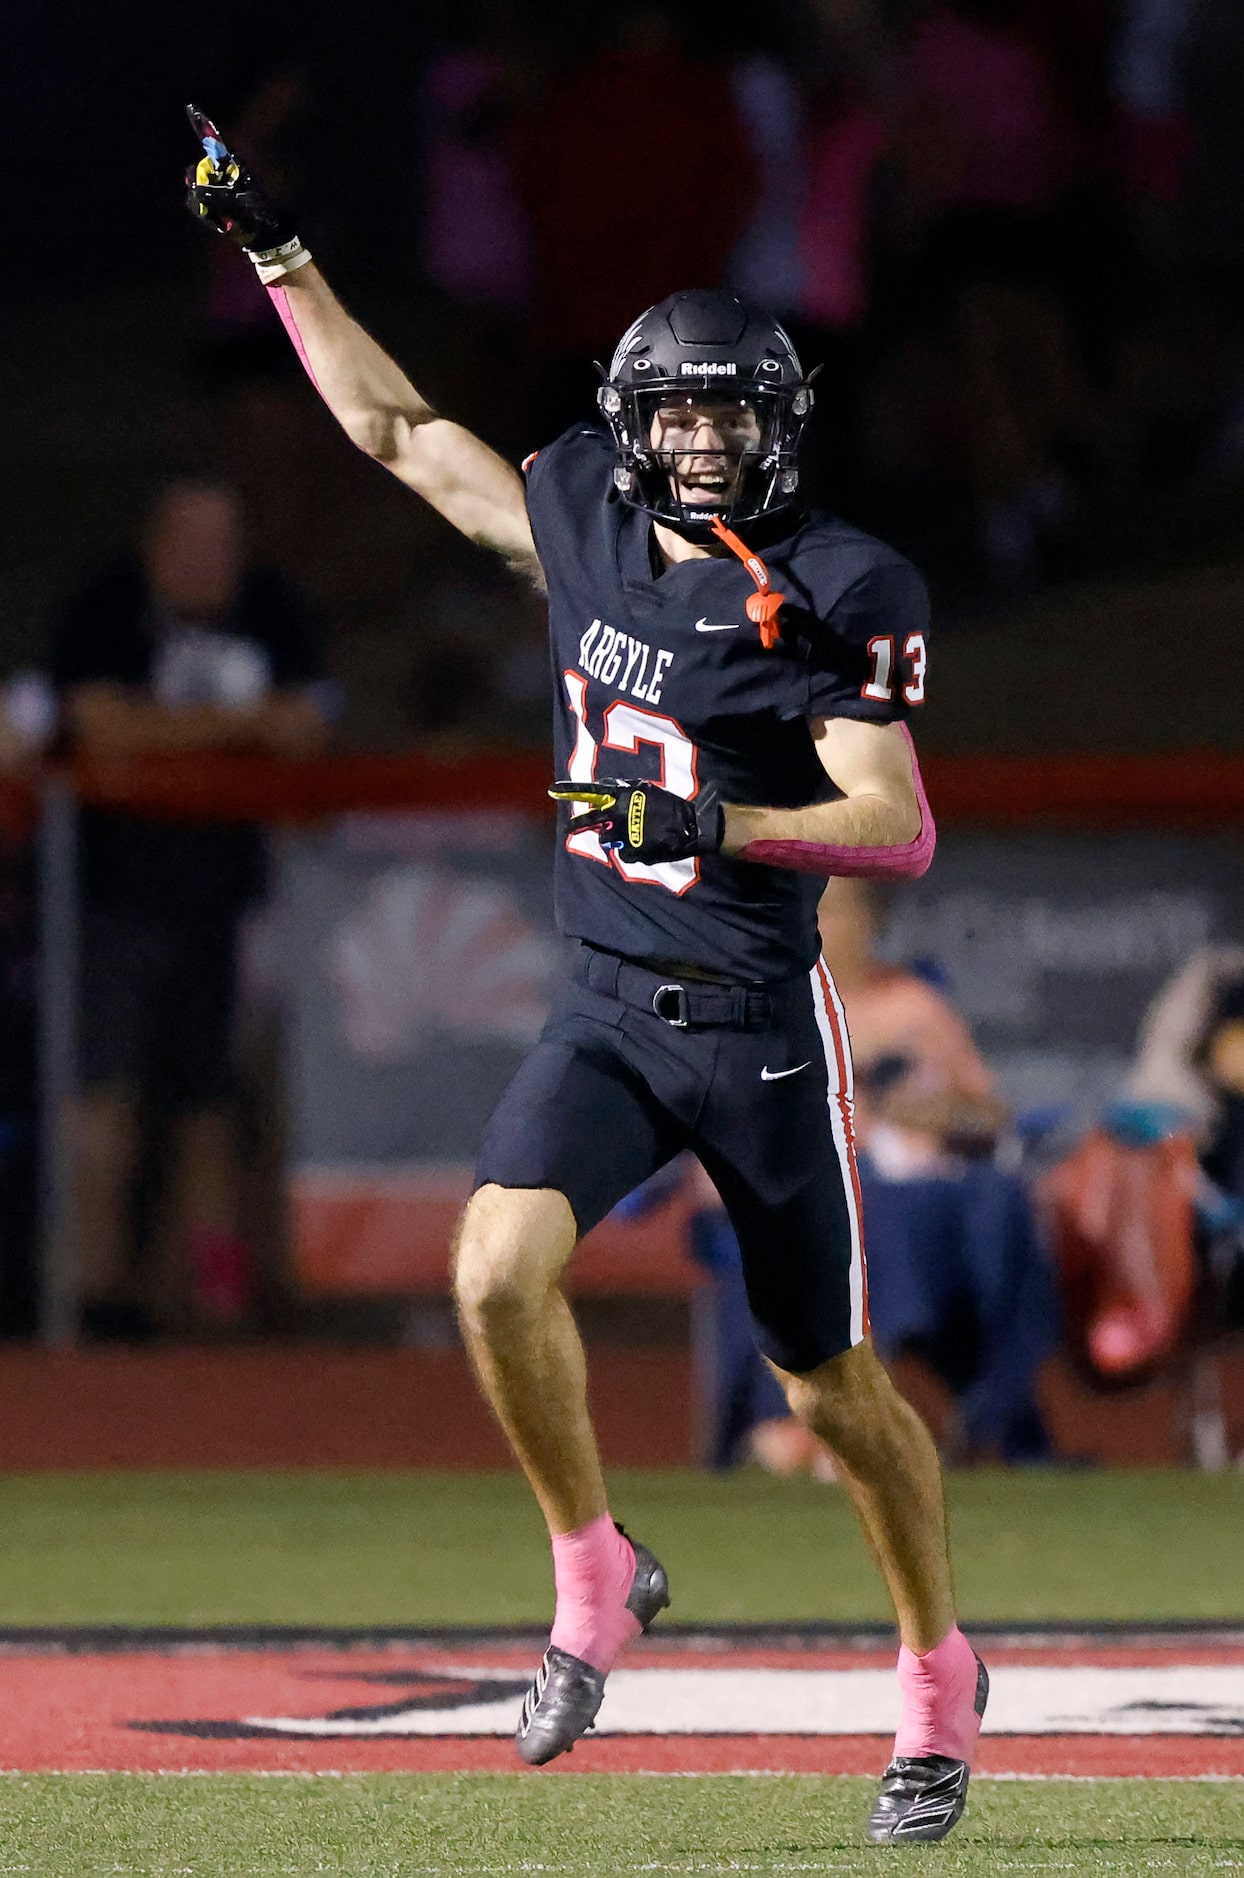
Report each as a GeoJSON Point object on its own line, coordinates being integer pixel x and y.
{"type": "Point", "coordinates": [652, 488]}
{"type": "Point", "coordinates": [646, 482]}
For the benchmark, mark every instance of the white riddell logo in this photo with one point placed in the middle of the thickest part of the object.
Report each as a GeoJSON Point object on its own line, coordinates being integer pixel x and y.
{"type": "Point", "coordinates": [709, 368]}
{"type": "Point", "coordinates": [776, 1075]}
{"type": "Point", "coordinates": [703, 626]}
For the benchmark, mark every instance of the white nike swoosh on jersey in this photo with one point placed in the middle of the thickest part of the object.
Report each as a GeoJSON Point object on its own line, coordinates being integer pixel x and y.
{"type": "Point", "coordinates": [776, 1075]}
{"type": "Point", "coordinates": [702, 626]}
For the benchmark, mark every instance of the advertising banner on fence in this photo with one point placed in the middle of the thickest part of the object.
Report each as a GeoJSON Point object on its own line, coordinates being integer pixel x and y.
{"type": "Point", "coordinates": [420, 953]}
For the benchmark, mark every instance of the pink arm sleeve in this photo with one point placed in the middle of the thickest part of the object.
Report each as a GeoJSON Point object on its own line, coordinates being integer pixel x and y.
{"type": "Point", "coordinates": [280, 300]}
{"type": "Point", "coordinates": [907, 862]}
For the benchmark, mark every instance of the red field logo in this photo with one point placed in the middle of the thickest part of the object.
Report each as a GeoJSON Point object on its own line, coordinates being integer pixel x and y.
{"type": "Point", "coordinates": [1173, 1706]}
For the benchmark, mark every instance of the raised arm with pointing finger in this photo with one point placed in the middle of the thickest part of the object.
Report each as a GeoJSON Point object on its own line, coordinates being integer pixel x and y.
{"type": "Point", "coordinates": [366, 391]}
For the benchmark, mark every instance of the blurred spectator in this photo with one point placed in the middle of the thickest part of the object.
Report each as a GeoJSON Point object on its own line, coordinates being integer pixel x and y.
{"type": "Point", "coordinates": [956, 1275]}
{"type": "Point", "coordinates": [1189, 1074]}
{"type": "Point", "coordinates": [957, 1279]}
{"type": "Point", "coordinates": [1223, 1054]}
{"type": "Point", "coordinates": [843, 154]}
{"type": "Point", "coordinates": [921, 1085]}
{"type": "Point", "coordinates": [476, 246]}
{"type": "Point", "coordinates": [176, 648]}
{"type": "Point", "coordinates": [845, 134]}
{"type": "Point", "coordinates": [635, 169]}
{"type": "Point", "coordinates": [1146, 1213]}
{"type": "Point", "coordinates": [1147, 83]}
{"type": "Point", "coordinates": [767, 266]}
{"type": "Point", "coordinates": [1169, 1070]}
{"type": "Point", "coordinates": [976, 129]}
{"type": "Point", "coordinates": [978, 160]}
{"type": "Point", "coordinates": [27, 719]}
{"type": "Point", "coordinates": [475, 238]}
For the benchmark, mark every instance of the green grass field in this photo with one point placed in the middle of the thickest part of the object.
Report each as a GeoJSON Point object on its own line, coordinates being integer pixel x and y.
{"type": "Point", "coordinates": [339, 1548]}
{"type": "Point", "coordinates": [441, 1549]}
{"type": "Point", "coordinates": [592, 1826]}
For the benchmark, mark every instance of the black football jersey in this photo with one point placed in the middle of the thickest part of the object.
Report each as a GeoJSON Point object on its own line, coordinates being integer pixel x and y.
{"type": "Point", "coordinates": [662, 676]}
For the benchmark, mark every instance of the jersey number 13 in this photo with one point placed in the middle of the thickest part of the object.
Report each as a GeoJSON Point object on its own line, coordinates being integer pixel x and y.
{"type": "Point", "coordinates": [882, 680]}
{"type": "Point", "coordinates": [626, 727]}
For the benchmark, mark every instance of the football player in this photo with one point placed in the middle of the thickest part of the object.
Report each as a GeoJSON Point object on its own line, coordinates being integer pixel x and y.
{"type": "Point", "coordinates": [732, 679]}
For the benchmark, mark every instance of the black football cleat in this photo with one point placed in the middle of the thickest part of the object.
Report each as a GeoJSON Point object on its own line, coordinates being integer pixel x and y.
{"type": "Point", "coordinates": [562, 1702]}
{"type": "Point", "coordinates": [923, 1796]}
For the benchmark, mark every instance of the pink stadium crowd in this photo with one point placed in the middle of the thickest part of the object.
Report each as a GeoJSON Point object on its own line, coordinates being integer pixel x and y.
{"type": "Point", "coordinates": [1007, 230]}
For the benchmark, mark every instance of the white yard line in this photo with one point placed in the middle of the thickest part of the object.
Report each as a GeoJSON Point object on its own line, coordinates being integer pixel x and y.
{"type": "Point", "coordinates": [630, 1773]}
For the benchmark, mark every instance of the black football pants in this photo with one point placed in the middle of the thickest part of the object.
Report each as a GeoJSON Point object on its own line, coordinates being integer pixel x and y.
{"type": "Point", "coordinates": [632, 1069]}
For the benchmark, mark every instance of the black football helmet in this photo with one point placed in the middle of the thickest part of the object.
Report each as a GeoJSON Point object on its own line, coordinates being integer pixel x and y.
{"type": "Point", "coordinates": [696, 349]}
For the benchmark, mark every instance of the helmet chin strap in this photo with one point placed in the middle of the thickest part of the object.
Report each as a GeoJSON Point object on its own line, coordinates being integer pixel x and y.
{"type": "Point", "coordinates": [764, 605]}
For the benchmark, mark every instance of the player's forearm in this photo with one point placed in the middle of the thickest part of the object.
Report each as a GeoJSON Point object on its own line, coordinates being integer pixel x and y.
{"type": "Point", "coordinates": [880, 825]}
{"type": "Point", "coordinates": [864, 821]}
{"type": "Point", "coordinates": [862, 835]}
{"type": "Point", "coordinates": [366, 391]}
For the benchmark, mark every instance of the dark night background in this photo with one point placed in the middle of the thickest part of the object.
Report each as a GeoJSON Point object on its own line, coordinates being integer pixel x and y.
{"type": "Point", "coordinates": [1122, 274]}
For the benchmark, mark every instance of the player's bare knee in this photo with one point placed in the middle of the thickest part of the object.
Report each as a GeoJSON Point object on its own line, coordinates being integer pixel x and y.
{"type": "Point", "coordinates": [849, 1393]}
{"type": "Point", "coordinates": [487, 1290]}
{"type": "Point", "coordinates": [506, 1256]}
{"type": "Point", "coordinates": [490, 1279]}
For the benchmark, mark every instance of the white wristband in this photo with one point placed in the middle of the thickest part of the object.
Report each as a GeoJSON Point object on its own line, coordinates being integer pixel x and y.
{"type": "Point", "coordinates": [275, 262]}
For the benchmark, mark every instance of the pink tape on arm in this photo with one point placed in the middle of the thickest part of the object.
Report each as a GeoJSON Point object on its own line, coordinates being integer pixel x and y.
{"type": "Point", "coordinates": [907, 862]}
{"type": "Point", "coordinates": [285, 312]}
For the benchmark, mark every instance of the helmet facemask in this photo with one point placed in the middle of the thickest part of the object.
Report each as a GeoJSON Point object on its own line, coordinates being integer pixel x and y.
{"type": "Point", "coordinates": [689, 451]}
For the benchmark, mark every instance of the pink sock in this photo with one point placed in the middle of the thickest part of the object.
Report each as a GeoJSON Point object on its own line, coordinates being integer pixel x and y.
{"type": "Point", "coordinates": [594, 1568]}
{"type": "Point", "coordinates": [939, 1700]}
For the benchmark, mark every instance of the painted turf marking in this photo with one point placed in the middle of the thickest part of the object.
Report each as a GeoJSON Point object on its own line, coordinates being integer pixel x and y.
{"type": "Point", "coordinates": [1178, 1699]}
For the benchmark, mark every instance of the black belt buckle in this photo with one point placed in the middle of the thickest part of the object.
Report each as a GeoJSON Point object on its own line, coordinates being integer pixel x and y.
{"type": "Point", "coordinates": [679, 993]}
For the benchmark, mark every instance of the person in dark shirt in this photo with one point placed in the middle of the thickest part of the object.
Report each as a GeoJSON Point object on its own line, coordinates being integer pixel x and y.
{"type": "Point", "coordinates": [731, 678]}
{"type": "Point", "coordinates": [178, 646]}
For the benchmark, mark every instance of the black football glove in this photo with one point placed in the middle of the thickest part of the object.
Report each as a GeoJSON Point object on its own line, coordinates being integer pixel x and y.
{"type": "Point", "coordinates": [639, 821]}
{"type": "Point", "coordinates": [221, 191]}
